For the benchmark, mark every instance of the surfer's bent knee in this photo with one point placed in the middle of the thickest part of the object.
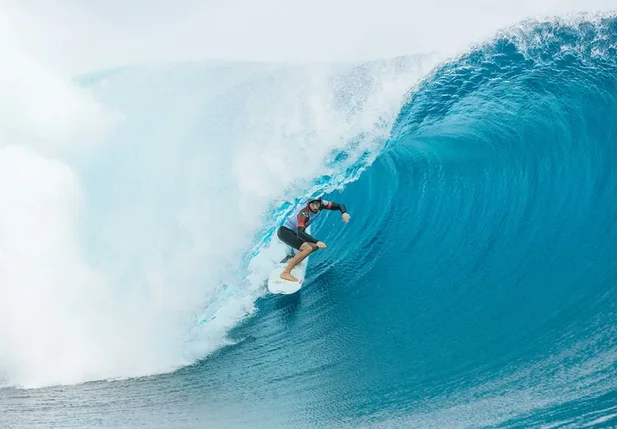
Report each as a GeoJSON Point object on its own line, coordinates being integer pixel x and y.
{"type": "Point", "coordinates": [309, 247]}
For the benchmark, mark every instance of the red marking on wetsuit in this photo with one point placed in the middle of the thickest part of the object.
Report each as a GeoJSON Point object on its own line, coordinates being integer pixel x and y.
{"type": "Point", "coordinates": [303, 218]}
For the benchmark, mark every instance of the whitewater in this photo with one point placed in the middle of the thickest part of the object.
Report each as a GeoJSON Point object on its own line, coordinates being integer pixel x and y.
{"type": "Point", "coordinates": [474, 286]}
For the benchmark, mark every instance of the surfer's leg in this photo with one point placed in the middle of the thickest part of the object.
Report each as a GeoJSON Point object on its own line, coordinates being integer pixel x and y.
{"type": "Point", "coordinates": [289, 237]}
{"type": "Point", "coordinates": [305, 250]}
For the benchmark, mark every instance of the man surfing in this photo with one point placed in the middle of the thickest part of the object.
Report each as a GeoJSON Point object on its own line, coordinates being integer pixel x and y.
{"type": "Point", "coordinates": [294, 235]}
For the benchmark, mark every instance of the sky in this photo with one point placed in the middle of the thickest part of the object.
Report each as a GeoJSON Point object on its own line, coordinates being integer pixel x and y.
{"type": "Point", "coordinates": [76, 36]}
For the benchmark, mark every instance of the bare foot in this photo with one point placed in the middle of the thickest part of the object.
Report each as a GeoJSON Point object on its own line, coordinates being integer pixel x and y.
{"type": "Point", "coordinates": [287, 276]}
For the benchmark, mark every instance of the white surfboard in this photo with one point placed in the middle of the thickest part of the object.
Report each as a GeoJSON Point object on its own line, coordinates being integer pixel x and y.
{"type": "Point", "coordinates": [278, 285]}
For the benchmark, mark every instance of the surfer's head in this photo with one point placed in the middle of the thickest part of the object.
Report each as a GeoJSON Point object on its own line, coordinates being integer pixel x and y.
{"type": "Point", "coordinates": [315, 205]}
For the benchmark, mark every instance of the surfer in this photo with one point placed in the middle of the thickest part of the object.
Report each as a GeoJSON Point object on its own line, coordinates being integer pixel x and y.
{"type": "Point", "coordinates": [294, 235]}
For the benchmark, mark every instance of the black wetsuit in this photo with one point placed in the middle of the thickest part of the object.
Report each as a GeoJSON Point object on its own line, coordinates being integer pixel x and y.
{"type": "Point", "coordinates": [293, 232]}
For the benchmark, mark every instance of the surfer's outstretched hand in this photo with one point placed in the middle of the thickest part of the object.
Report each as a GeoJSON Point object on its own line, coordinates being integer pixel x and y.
{"type": "Point", "coordinates": [346, 217]}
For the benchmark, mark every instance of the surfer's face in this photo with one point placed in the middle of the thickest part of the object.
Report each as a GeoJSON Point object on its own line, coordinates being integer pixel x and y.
{"type": "Point", "coordinates": [314, 206]}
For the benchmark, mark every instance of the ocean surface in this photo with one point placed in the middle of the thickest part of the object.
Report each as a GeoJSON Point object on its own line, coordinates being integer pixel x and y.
{"type": "Point", "coordinates": [475, 285]}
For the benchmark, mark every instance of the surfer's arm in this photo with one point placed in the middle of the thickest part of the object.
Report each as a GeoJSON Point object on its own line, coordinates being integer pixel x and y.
{"type": "Point", "coordinates": [331, 205]}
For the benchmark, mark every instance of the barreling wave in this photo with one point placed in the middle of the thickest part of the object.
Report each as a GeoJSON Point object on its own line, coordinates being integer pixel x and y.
{"type": "Point", "coordinates": [481, 255]}
{"type": "Point", "coordinates": [474, 285]}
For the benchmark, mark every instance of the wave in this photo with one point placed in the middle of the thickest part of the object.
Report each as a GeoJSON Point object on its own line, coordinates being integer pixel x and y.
{"type": "Point", "coordinates": [483, 239]}
{"type": "Point", "coordinates": [144, 227]}
{"type": "Point", "coordinates": [473, 286]}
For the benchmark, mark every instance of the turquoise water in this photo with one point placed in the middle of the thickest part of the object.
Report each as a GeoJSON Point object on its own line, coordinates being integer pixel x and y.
{"type": "Point", "coordinates": [474, 286]}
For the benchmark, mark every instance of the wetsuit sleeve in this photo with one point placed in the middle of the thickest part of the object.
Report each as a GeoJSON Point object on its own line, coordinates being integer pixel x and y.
{"type": "Point", "coordinates": [303, 217]}
{"type": "Point", "coordinates": [331, 205]}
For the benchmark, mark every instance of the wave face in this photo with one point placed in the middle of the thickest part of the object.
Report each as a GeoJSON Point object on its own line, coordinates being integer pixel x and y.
{"type": "Point", "coordinates": [478, 277]}
{"type": "Point", "coordinates": [474, 286]}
